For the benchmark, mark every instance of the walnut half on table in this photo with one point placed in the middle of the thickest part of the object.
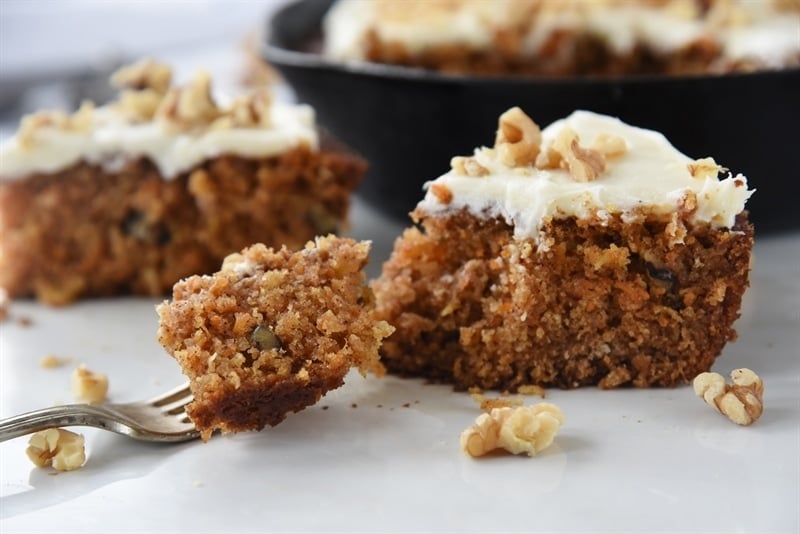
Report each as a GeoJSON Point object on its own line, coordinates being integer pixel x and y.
{"type": "Point", "coordinates": [62, 449]}
{"type": "Point", "coordinates": [522, 429]}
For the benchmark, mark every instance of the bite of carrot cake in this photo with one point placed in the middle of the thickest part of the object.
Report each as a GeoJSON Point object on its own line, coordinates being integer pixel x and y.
{"type": "Point", "coordinates": [272, 332]}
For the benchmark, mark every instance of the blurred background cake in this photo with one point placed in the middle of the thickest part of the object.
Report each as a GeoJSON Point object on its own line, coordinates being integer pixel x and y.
{"type": "Point", "coordinates": [567, 37]}
{"type": "Point", "coordinates": [160, 184]}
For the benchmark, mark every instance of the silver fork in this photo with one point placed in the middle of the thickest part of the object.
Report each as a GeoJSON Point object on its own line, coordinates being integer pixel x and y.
{"type": "Point", "coordinates": [162, 418]}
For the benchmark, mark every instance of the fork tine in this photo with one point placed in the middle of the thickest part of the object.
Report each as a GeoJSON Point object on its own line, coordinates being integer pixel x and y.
{"type": "Point", "coordinates": [178, 406]}
{"type": "Point", "coordinates": [169, 397]}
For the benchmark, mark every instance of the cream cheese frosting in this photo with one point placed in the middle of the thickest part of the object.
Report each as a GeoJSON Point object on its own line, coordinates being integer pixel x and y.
{"type": "Point", "coordinates": [176, 129]}
{"type": "Point", "coordinates": [743, 29]}
{"type": "Point", "coordinates": [111, 139]}
{"type": "Point", "coordinates": [651, 176]}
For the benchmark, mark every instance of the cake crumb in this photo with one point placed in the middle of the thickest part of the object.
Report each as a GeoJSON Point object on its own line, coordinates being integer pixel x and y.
{"type": "Point", "coordinates": [488, 404]}
{"type": "Point", "coordinates": [88, 386]}
{"type": "Point", "coordinates": [56, 447]}
{"type": "Point", "coordinates": [533, 390]}
{"type": "Point", "coordinates": [4, 304]}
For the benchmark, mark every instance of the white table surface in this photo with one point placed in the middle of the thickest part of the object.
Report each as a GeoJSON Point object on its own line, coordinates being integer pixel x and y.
{"type": "Point", "coordinates": [656, 460]}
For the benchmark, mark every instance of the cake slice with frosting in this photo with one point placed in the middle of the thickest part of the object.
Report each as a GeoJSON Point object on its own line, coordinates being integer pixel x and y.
{"type": "Point", "coordinates": [567, 37]}
{"type": "Point", "coordinates": [590, 252]}
{"type": "Point", "coordinates": [166, 181]}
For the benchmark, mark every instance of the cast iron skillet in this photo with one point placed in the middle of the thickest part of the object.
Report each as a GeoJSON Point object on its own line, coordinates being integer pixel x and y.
{"type": "Point", "coordinates": [409, 122]}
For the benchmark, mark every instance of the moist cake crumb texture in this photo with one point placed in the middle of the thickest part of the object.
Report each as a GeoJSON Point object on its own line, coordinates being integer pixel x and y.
{"type": "Point", "coordinates": [272, 332]}
{"type": "Point", "coordinates": [526, 275]}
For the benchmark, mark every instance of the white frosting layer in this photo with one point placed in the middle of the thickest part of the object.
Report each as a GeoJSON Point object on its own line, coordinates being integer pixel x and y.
{"type": "Point", "coordinates": [652, 175]}
{"type": "Point", "coordinates": [757, 31]}
{"type": "Point", "coordinates": [111, 139]}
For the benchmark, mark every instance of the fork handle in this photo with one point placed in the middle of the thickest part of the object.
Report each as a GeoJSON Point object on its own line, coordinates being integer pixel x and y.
{"type": "Point", "coordinates": [57, 416]}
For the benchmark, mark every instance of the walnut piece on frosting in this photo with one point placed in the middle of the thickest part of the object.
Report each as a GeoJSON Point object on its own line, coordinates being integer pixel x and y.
{"type": "Point", "coordinates": [252, 110]}
{"type": "Point", "coordinates": [518, 144]}
{"type": "Point", "coordinates": [143, 75]}
{"type": "Point", "coordinates": [80, 121]}
{"type": "Point", "coordinates": [468, 167]}
{"type": "Point", "coordinates": [584, 164]}
{"type": "Point", "coordinates": [705, 168]}
{"type": "Point", "coordinates": [147, 96]}
{"type": "Point", "coordinates": [610, 146]}
{"type": "Point", "coordinates": [140, 105]}
{"type": "Point", "coordinates": [191, 106]}
{"type": "Point", "coordinates": [518, 138]}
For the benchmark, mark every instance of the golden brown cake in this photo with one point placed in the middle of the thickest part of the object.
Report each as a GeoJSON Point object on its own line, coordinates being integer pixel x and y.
{"type": "Point", "coordinates": [567, 37]}
{"type": "Point", "coordinates": [161, 184]}
{"type": "Point", "coordinates": [591, 252]}
{"type": "Point", "coordinates": [272, 332]}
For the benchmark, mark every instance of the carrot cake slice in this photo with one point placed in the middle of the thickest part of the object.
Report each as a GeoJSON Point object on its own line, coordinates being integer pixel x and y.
{"type": "Point", "coordinates": [272, 332]}
{"type": "Point", "coordinates": [130, 197]}
{"type": "Point", "coordinates": [591, 252]}
{"type": "Point", "coordinates": [567, 37]}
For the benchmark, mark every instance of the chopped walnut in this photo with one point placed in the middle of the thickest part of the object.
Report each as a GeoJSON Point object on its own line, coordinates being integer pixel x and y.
{"type": "Point", "coordinates": [442, 193]}
{"type": "Point", "coordinates": [610, 146]}
{"type": "Point", "coordinates": [51, 361]}
{"type": "Point", "coordinates": [683, 9]}
{"type": "Point", "coordinates": [140, 106]}
{"type": "Point", "coordinates": [528, 429]}
{"type": "Point", "coordinates": [142, 75]}
{"type": "Point", "coordinates": [468, 167]}
{"type": "Point", "coordinates": [62, 449]}
{"type": "Point", "coordinates": [88, 386]}
{"type": "Point", "coordinates": [705, 168]}
{"type": "Point", "coordinates": [741, 402]}
{"type": "Point", "coordinates": [252, 110]}
{"type": "Point", "coordinates": [189, 107]}
{"type": "Point", "coordinates": [548, 159]}
{"type": "Point", "coordinates": [518, 138]}
{"type": "Point", "coordinates": [585, 165]}
{"type": "Point", "coordinates": [80, 121]}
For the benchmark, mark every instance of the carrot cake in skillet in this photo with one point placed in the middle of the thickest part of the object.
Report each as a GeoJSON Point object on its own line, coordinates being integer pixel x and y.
{"type": "Point", "coordinates": [272, 332]}
{"type": "Point", "coordinates": [589, 253]}
{"type": "Point", "coordinates": [567, 37]}
{"type": "Point", "coordinates": [166, 181]}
